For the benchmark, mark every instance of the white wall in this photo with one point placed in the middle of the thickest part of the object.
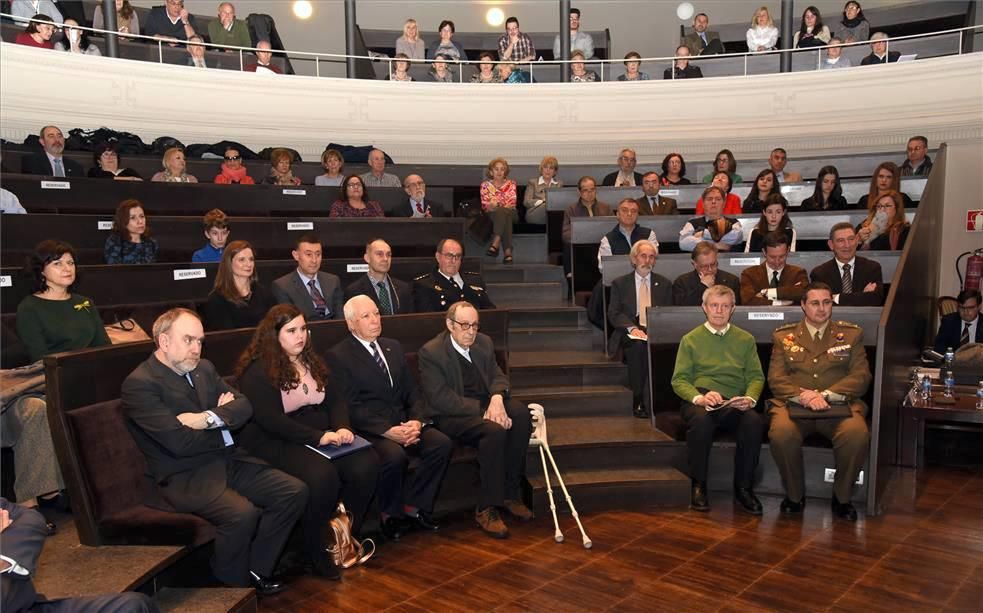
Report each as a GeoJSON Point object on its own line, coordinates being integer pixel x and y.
{"type": "Point", "coordinates": [963, 184]}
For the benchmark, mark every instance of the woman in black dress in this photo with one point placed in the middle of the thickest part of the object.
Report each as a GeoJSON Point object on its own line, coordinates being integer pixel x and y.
{"type": "Point", "coordinates": [237, 300]}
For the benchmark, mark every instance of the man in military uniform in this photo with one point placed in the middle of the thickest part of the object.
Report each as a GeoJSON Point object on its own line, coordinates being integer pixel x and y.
{"type": "Point", "coordinates": [819, 365]}
{"type": "Point", "coordinates": [437, 290]}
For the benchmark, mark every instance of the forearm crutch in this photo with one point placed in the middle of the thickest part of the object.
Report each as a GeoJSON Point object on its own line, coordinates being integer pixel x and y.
{"type": "Point", "coordinates": [539, 439]}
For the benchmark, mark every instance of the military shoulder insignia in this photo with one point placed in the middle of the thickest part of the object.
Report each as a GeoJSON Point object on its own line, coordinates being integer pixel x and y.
{"type": "Point", "coordinates": [477, 274]}
{"type": "Point", "coordinates": [786, 327]}
{"type": "Point", "coordinates": [423, 276]}
{"type": "Point", "coordinates": [847, 324]}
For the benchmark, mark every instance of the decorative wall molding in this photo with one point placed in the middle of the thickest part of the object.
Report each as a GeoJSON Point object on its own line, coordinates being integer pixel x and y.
{"type": "Point", "coordinates": [866, 109]}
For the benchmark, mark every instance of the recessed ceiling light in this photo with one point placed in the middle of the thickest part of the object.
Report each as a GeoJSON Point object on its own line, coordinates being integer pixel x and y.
{"type": "Point", "coordinates": [685, 11]}
{"type": "Point", "coordinates": [495, 16]}
{"type": "Point", "coordinates": [303, 9]}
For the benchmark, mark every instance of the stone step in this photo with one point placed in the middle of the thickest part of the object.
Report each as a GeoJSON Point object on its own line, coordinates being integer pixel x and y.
{"type": "Point", "coordinates": [596, 490]}
{"type": "Point", "coordinates": [550, 317]}
{"type": "Point", "coordinates": [548, 368]}
{"type": "Point", "coordinates": [207, 600]}
{"type": "Point", "coordinates": [526, 249]}
{"type": "Point", "coordinates": [557, 339]}
{"type": "Point", "coordinates": [519, 273]}
{"type": "Point", "coordinates": [524, 294]}
{"type": "Point", "coordinates": [578, 400]}
{"type": "Point", "coordinates": [607, 442]}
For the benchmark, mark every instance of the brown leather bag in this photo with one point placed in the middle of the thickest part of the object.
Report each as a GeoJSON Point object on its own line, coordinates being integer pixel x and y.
{"type": "Point", "coordinates": [347, 551]}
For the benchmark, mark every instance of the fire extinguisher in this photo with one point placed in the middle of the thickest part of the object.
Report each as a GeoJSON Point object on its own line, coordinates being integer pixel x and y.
{"type": "Point", "coordinates": [974, 269]}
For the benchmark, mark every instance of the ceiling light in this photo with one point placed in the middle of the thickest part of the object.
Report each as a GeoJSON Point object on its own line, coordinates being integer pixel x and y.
{"type": "Point", "coordinates": [685, 11]}
{"type": "Point", "coordinates": [303, 9]}
{"type": "Point", "coordinates": [495, 16]}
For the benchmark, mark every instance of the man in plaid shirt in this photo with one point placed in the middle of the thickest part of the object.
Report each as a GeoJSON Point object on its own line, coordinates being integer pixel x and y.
{"type": "Point", "coordinates": [514, 45]}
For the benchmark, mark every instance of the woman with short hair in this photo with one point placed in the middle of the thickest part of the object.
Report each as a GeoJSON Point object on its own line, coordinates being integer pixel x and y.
{"type": "Point", "coordinates": [535, 197]}
{"type": "Point", "coordinates": [333, 163]}
{"type": "Point", "coordinates": [674, 170]}
{"type": "Point", "coordinates": [280, 171]}
{"type": "Point", "coordinates": [175, 168]}
{"type": "Point", "coordinates": [853, 27]}
{"type": "Point", "coordinates": [486, 69]}
{"type": "Point", "coordinates": [633, 61]}
{"type": "Point", "coordinates": [732, 202]}
{"type": "Point", "coordinates": [37, 34]}
{"type": "Point", "coordinates": [440, 72]}
{"type": "Point", "coordinates": [498, 200]}
{"type": "Point", "coordinates": [107, 164]}
{"type": "Point", "coordinates": [233, 171]}
{"type": "Point", "coordinates": [578, 72]}
{"type": "Point", "coordinates": [446, 45]}
{"type": "Point", "coordinates": [400, 67]}
{"type": "Point", "coordinates": [725, 162]}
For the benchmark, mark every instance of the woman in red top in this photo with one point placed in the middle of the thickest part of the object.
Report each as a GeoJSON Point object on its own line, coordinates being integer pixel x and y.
{"type": "Point", "coordinates": [733, 205]}
{"type": "Point", "coordinates": [37, 34]}
{"type": "Point", "coordinates": [233, 170]}
{"type": "Point", "coordinates": [498, 198]}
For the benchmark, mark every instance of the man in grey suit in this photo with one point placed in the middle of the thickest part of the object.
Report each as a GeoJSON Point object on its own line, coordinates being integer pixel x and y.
{"type": "Point", "coordinates": [631, 294]}
{"type": "Point", "coordinates": [702, 41]}
{"type": "Point", "coordinates": [392, 296]}
{"type": "Point", "coordinates": [317, 294]}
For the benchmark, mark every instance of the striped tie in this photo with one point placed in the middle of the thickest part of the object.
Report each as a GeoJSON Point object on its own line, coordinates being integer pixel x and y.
{"type": "Point", "coordinates": [320, 306]}
{"type": "Point", "coordinates": [847, 280]}
{"type": "Point", "coordinates": [964, 338]}
{"type": "Point", "coordinates": [380, 361]}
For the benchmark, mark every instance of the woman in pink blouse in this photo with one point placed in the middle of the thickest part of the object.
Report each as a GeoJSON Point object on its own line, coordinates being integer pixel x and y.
{"type": "Point", "coordinates": [498, 199]}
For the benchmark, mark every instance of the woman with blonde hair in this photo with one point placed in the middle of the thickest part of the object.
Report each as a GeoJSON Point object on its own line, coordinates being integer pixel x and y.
{"type": "Point", "coordinates": [333, 163]}
{"type": "Point", "coordinates": [410, 43]}
{"type": "Point", "coordinates": [498, 200]}
{"type": "Point", "coordinates": [535, 198]}
{"type": "Point", "coordinates": [762, 35]}
{"type": "Point", "coordinates": [175, 168]}
{"type": "Point", "coordinates": [886, 227]}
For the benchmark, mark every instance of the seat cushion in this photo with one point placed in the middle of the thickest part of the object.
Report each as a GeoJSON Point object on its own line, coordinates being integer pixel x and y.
{"type": "Point", "coordinates": [143, 525]}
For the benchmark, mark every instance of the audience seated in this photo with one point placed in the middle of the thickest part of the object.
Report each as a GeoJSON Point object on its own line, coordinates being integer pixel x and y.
{"type": "Point", "coordinates": [773, 282]}
{"type": "Point", "coordinates": [171, 22]}
{"type": "Point", "coordinates": [37, 34]}
{"type": "Point", "coordinates": [917, 163]}
{"type": "Point", "coordinates": [587, 205]}
{"type": "Point", "coordinates": [130, 242]}
{"type": "Point", "coordinates": [853, 27]}
{"type": "Point", "coordinates": [410, 44]}
{"type": "Point", "coordinates": [732, 206]}
{"type": "Point", "coordinates": [724, 162]}
{"type": "Point", "coordinates": [264, 60]}
{"type": "Point", "coordinates": [446, 45]}
{"type": "Point", "coordinates": [194, 462]}
{"type": "Point", "coordinates": [281, 161]}
{"type": "Point", "coordinates": [334, 165]}
{"type": "Point", "coordinates": [774, 218]}
{"type": "Point", "coordinates": [391, 296]}
{"type": "Point", "coordinates": [127, 21]}
{"type": "Point", "coordinates": [535, 196]}
{"type": "Point", "coordinates": [827, 192]}
{"type": "Point", "coordinates": [834, 56]}
{"type": "Point", "coordinates": [316, 293]}
{"type": "Point", "coordinates": [777, 161]}
{"type": "Point", "coordinates": [353, 200]}
{"type": "Point", "coordinates": [387, 409]}
{"type": "Point", "coordinates": [233, 171]}
{"type": "Point", "coordinates": [625, 176]}
{"type": "Point", "coordinates": [626, 233]}
{"type": "Point", "coordinates": [702, 41]}
{"type": "Point", "coordinates": [50, 162]}
{"type": "Point", "coordinates": [632, 64]}
{"type": "Point", "coordinates": [817, 364]}
{"type": "Point", "coordinates": [674, 170]}
{"type": "Point", "coordinates": [719, 379]}
{"type": "Point", "coordinates": [631, 295]}
{"type": "Point", "coordinates": [878, 51]}
{"type": "Point", "coordinates": [578, 73]}
{"type": "Point", "coordinates": [852, 279]}
{"type": "Point", "coordinates": [762, 35]}
{"type": "Point", "coordinates": [765, 185]}
{"type": "Point", "coordinates": [498, 201]}
{"type": "Point", "coordinates": [507, 73]}
{"type": "Point", "coordinates": [963, 326]}
{"type": "Point", "coordinates": [724, 232]}
{"type": "Point", "coordinates": [886, 227]}
{"type": "Point", "coordinates": [44, 10]}
{"type": "Point", "coordinates": [10, 204]}
{"type": "Point", "coordinates": [681, 68]}
{"type": "Point", "coordinates": [487, 72]}
{"type": "Point", "coordinates": [377, 175]}
{"type": "Point", "coordinates": [416, 204]}
{"type": "Point", "coordinates": [76, 40]}
{"type": "Point", "coordinates": [886, 177]}
{"type": "Point", "coordinates": [579, 40]}
{"type": "Point", "coordinates": [238, 299]}
{"type": "Point", "coordinates": [216, 227]}
{"type": "Point", "coordinates": [688, 288]}
{"type": "Point", "coordinates": [400, 69]}
{"type": "Point", "coordinates": [812, 32]}
{"type": "Point", "coordinates": [439, 71]}
{"type": "Point", "coordinates": [447, 284]}
{"type": "Point", "coordinates": [175, 168]}
{"type": "Point", "coordinates": [515, 46]}
{"type": "Point", "coordinates": [651, 203]}
{"type": "Point", "coordinates": [196, 52]}
{"type": "Point", "coordinates": [467, 396]}
{"type": "Point", "coordinates": [107, 164]}
{"type": "Point", "coordinates": [227, 30]}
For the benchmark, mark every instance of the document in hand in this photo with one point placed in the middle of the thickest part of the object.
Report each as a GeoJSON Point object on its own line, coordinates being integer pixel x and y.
{"type": "Point", "coordinates": [728, 402]}
{"type": "Point", "coordinates": [333, 452]}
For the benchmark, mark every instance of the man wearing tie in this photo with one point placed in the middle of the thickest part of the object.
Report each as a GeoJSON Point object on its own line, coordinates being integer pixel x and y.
{"type": "Point", "coordinates": [631, 295]}
{"type": "Point", "coordinates": [854, 280]}
{"type": "Point", "coordinates": [437, 290]}
{"type": "Point", "coordinates": [182, 416]}
{"type": "Point", "coordinates": [963, 326]}
{"type": "Point", "coordinates": [651, 203]}
{"type": "Point", "coordinates": [703, 41]}
{"type": "Point", "coordinates": [417, 205]}
{"type": "Point", "coordinates": [50, 162]}
{"type": "Point", "coordinates": [317, 294]}
{"type": "Point", "coordinates": [773, 282]}
{"type": "Point", "coordinates": [392, 296]}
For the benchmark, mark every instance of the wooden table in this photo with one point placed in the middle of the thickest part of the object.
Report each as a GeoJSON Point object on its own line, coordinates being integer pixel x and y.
{"type": "Point", "coordinates": [911, 433]}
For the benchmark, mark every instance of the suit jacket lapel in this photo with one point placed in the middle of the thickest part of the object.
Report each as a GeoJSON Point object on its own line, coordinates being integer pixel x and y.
{"type": "Point", "coordinates": [200, 390]}
{"type": "Point", "coordinates": [452, 366]}
{"type": "Point", "coordinates": [178, 385]}
{"type": "Point", "coordinates": [368, 361]}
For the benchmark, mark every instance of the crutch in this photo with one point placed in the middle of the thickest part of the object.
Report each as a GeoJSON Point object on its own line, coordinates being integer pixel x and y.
{"type": "Point", "coordinates": [539, 439]}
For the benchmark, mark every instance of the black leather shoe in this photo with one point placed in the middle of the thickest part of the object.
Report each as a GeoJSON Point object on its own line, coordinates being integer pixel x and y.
{"type": "Point", "coordinates": [265, 587]}
{"type": "Point", "coordinates": [698, 497]}
{"type": "Point", "coordinates": [792, 508]}
{"type": "Point", "coordinates": [393, 528]}
{"type": "Point", "coordinates": [747, 500]}
{"type": "Point", "coordinates": [423, 521]}
{"type": "Point", "coordinates": [640, 412]}
{"type": "Point", "coordinates": [51, 527]}
{"type": "Point", "coordinates": [843, 510]}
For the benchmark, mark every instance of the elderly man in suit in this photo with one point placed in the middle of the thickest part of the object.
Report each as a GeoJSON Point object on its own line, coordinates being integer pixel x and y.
{"type": "Point", "coordinates": [416, 204]}
{"type": "Point", "coordinates": [392, 296]}
{"type": "Point", "coordinates": [50, 162]}
{"type": "Point", "coordinates": [467, 395]}
{"type": "Point", "coordinates": [817, 363]}
{"type": "Point", "coordinates": [625, 176]}
{"type": "Point", "coordinates": [688, 288]}
{"type": "Point", "coordinates": [631, 295]}
{"type": "Point", "coordinates": [387, 409]}
{"type": "Point", "coordinates": [963, 326]}
{"type": "Point", "coordinates": [651, 203]}
{"type": "Point", "coordinates": [773, 282]}
{"type": "Point", "coordinates": [702, 41]}
{"type": "Point", "coordinates": [182, 416]}
{"type": "Point", "coordinates": [317, 294]}
{"type": "Point", "coordinates": [854, 280]}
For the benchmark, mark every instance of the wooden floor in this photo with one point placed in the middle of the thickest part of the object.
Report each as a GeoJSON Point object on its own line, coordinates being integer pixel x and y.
{"type": "Point", "coordinates": [925, 554]}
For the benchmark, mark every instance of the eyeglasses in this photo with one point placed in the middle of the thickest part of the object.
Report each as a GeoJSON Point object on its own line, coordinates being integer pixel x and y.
{"type": "Point", "coordinates": [233, 158]}
{"type": "Point", "coordinates": [467, 326]}
{"type": "Point", "coordinates": [415, 184]}
{"type": "Point", "coordinates": [453, 256]}
{"type": "Point", "coordinates": [884, 207]}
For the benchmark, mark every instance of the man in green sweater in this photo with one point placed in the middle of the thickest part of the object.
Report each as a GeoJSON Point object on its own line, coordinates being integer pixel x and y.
{"type": "Point", "coordinates": [719, 378]}
{"type": "Point", "coordinates": [228, 30]}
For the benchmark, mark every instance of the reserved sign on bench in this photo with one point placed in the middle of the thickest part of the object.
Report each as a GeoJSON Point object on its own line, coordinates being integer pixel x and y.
{"type": "Point", "coordinates": [191, 273]}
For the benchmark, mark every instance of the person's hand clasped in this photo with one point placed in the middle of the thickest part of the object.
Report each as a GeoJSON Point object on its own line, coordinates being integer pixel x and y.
{"type": "Point", "coordinates": [496, 413]}
{"type": "Point", "coordinates": [813, 400]}
{"type": "Point", "coordinates": [225, 398]}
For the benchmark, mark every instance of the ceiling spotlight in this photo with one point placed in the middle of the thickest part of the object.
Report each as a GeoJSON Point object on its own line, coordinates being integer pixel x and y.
{"type": "Point", "coordinates": [685, 11]}
{"type": "Point", "coordinates": [303, 9]}
{"type": "Point", "coordinates": [495, 16]}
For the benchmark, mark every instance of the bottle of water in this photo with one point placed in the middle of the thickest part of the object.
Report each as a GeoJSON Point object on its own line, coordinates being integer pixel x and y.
{"type": "Point", "coordinates": [926, 387]}
{"type": "Point", "coordinates": [946, 375]}
{"type": "Point", "coordinates": [979, 396]}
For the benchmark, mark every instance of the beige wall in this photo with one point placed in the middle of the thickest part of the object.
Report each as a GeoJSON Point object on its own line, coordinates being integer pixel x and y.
{"type": "Point", "coordinates": [963, 184]}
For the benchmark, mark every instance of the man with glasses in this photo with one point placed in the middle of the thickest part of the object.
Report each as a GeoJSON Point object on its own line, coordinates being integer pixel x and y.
{"type": "Point", "coordinates": [196, 52]}
{"type": "Point", "coordinates": [447, 284]}
{"type": "Point", "coordinates": [688, 288]}
{"type": "Point", "coordinates": [515, 46]}
{"type": "Point", "coordinates": [918, 163]}
{"type": "Point", "coordinates": [467, 396]}
{"type": "Point", "coordinates": [170, 22]}
{"type": "Point", "coordinates": [625, 176]}
{"type": "Point", "coordinates": [416, 204]}
{"type": "Point", "coordinates": [651, 203]}
{"type": "Point", "coordinates": [963, 326]}
{"type": "Point", "coordinates": [227, 30]}
{"type": "Point", "coordinates": [50, 162]}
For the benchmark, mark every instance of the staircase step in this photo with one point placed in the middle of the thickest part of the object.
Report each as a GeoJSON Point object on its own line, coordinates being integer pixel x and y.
{"type": "Point", "coordinates": [207, 600]}
{"type": "Point", "coordinates": [551, 317]}
{"type": "Point", "coordinates": [526, 249]}
{"type": "Point", "coordinates": [542, 368]}
{"type": "Point", "coordinates": [558, 339]}
{"type": "Point", "coordinates": [582, 443]}
{"type": "Point", "coordinates": [596, 490]}
{"type": "Point", "coordinates": [523, 294]}
{"type": "Point", "coordinates": [578, 400]}
{"type": "Point", "coordinates": [518, 273]}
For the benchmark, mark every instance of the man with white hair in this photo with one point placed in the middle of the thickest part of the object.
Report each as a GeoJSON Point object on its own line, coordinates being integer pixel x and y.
{"type": "Point", "coordinates": [879, 53]}
{"type": "Point", "coordinates": [228, 30]}
{"type": "Point", "coordinates": [377, 175]}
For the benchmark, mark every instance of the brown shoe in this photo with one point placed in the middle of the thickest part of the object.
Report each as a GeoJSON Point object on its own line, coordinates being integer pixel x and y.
{"type": "Point", "coordinates": [518, 510]}
{"type": "Point", "coordinates": [490, 521]}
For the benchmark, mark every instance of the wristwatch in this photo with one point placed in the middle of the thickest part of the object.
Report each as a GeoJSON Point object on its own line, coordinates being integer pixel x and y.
{"type": "Point", "coordinates": [825, 395]}
{"type": "Point", "coordinates": [209, 420]}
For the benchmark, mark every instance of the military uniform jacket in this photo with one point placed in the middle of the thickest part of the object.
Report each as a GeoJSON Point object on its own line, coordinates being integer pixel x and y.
{"type": "Point", "coordinates": [838, 362]}
{"type": "Point", "coordinates": [433, 292]}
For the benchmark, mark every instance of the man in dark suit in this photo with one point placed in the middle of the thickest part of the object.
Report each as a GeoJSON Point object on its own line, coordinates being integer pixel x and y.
{"type": "Point", "coordinates": [50, 162]}
{"type": "Point", "coordinates": [467, 395]}
{"type": "Point", "coordinates": [447, 284]}
{"type": "Point", "coordinates": [963, 326]}
{"type": "Point", "coordinates": [318, 294]}
{"type": "Point", "coordinates": [773, 282]}
{"type": "Point", "coordinates": [855, 280]}
{"type": "Point", "coordinates": [651, 203]}
{"type": "Point", "coordinates": [681, 68]}
{"type": "Point", "coordinates": [688, 288]}
{"type": "Point", "coordinates": [182, 414]}
{"type": "Point", "coordinates": [702, 41]}
{"type": "Point", "coordinates": [22, 536]}
{"type": "Point", "coordinates": [392, 296]}
{"type": "Point", "coordinates": [387, 409]}
{"type": "Point", "coordinates": [625, 176]}
{"type": "Point", "coordinates": [631, 294]}
{"type": "Point", "coordinates": [417, 204]}
{"type": "Point", "coordinates": [878, 51]}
